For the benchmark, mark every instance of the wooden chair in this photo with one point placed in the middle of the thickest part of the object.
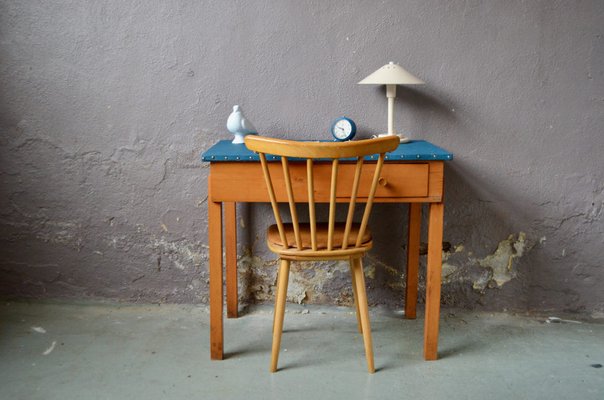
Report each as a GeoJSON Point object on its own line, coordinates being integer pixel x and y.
{"type": "Point", "coordinates": [314, 241]}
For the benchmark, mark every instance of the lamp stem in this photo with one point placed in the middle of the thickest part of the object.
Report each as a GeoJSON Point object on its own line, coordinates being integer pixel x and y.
{"type": "Point", "coordinates": [391, 94]}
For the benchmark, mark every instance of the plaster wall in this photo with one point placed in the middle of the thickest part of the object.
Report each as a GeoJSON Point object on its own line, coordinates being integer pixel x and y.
{"type": "Point", "coordinates": [105, 107]}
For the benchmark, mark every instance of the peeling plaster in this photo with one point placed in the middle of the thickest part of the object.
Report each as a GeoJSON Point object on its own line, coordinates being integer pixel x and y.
{"type": "Point", "coordinates": [182, 254]}
{"type": "Point", "coordinates": [321, 282]}
{"type": "Point", "coordinates": [500, 266]}
{"type": "Point", "coordinates": [447, 271]}
{"type": "Point", "coordinates": [309, 282]}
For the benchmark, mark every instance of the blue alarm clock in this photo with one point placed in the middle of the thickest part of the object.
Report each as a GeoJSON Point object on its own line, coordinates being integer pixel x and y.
{"type": "Point", "coordinates": [343, 129]}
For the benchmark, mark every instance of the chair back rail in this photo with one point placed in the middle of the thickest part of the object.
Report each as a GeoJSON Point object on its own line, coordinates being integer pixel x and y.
{"type": "Point", "coordinates": [311, 151]}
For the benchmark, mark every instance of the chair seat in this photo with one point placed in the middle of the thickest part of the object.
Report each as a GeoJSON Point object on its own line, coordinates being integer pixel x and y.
{"type": "Point", "coordinates": [274, 238]}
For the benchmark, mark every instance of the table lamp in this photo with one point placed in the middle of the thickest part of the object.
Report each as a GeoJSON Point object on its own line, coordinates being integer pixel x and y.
{"type": "Point", "coordinates": [391, 75]}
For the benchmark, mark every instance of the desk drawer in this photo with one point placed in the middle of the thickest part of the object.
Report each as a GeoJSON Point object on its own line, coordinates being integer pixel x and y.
{"type": "Point", "coordinates": [400, 180]}
{"type": "Point", "coordinates": [396, 181]}
{"type": "Point", "coordinates": [245, 182]}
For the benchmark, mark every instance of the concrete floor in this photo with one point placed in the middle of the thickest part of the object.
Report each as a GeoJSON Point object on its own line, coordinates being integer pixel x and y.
{"type": "Point", "coordinates": [108, 351]}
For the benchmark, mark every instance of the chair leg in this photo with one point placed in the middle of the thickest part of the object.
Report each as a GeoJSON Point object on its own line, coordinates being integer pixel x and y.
{"type": "Point", "coordinates": [279, 312]}
{"type": "Point", "coordinates": [357, 267]}
{"type": "Point", "coordinates": [356, 296]}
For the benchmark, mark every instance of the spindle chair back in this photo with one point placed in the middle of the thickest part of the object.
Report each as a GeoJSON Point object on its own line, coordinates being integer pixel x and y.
{"type": "Point", "coordinates": [321, 241]}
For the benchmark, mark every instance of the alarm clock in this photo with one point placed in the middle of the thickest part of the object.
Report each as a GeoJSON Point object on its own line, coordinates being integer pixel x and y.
{"type": "Point", "coordinates": [343, 129]}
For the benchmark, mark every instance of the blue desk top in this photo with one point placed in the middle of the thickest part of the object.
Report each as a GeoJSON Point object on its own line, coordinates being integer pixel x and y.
{"type": "Point", "coordinates": [415, 150]}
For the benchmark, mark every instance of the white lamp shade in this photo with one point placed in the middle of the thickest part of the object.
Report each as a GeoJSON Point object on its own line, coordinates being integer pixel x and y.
{"type": "Point", "coordinates": [391, 74]}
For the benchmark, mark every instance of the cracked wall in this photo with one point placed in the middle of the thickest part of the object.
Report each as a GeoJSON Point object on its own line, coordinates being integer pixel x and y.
{"type": "Point", "coordinates": [105, 107]}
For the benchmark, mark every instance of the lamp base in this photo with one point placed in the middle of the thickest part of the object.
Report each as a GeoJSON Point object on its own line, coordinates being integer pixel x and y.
{"type": "Point", "coordinates": [403, 138]}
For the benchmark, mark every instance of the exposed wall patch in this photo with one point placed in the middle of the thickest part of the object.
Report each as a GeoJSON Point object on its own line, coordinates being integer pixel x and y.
{"type": "Point", "coordinates": [500, 266]}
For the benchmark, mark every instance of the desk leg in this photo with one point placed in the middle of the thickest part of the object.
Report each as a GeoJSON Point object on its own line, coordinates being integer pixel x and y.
{"type": "Point", "coordinates": [433, 280]}
{"type": "Point", "coordinates": [216, 296]}
{"type": "Point", "coordinates": [230, 239]}
{"type": "Point", "coordinates": [413, 239]}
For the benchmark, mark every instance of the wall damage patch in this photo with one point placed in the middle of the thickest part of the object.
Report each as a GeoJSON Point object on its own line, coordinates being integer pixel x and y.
{"type": "Point", "coordinates": [500, 266]}
{"type": "Point", "coordinates": [320, 282]}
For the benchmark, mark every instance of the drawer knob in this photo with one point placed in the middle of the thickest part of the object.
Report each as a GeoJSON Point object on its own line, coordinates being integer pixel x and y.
{"type": "Point", "coordinates": [383, 181]}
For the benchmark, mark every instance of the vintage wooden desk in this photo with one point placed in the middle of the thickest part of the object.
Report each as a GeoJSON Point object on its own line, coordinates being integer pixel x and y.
{"type": "Point", "coordinates": [411, 174]}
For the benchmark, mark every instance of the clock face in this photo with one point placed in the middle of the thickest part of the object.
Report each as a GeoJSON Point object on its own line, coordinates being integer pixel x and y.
{"type": "Point", "coordinates": [343, 129]}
